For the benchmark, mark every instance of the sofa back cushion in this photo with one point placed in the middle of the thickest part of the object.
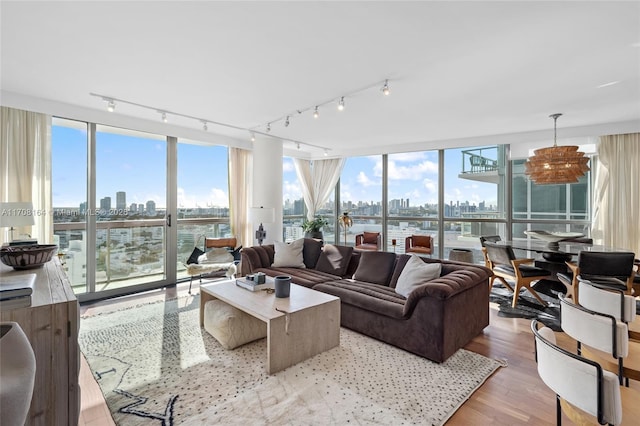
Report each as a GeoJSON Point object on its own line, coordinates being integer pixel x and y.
{"type": "Point", "coordinates": [375, 267]}
{"type": "Point", "coordinates": [311, 252]}
{"type": "Point", "coordinates": [288, 255]}
{"type": "Point", "coordinates": [334, 259]}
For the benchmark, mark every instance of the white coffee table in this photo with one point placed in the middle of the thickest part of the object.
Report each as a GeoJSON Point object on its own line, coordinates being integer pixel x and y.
{"type": "Point", "coordinates": [298, 327]}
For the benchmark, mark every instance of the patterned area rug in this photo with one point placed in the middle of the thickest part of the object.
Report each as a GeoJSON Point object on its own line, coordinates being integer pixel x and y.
{"type": "Point", "coordinates": [155, 365]}
{"type": "Point", "coordinates": [528, 307]}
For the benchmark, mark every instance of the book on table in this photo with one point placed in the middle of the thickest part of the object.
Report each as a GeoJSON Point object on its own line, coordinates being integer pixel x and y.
{"type": "Point", "coordinates": [252, 285]}
{"type": "Point", "coordinates": [12, 286]}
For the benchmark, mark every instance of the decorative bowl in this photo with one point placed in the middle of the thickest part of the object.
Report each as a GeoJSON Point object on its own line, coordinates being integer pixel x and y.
{"type": "Point", "coordinates": [27, 256]}
{"type": "Point", "coordinates": [553, 237]}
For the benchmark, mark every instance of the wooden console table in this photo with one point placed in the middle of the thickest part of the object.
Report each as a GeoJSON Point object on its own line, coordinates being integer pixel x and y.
{"type": "Point", "coordinates": [51, 325]}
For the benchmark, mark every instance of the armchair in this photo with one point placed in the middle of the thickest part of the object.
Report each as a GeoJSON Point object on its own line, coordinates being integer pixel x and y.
{"type": "Point", "coordinates": [419, 244]}
{"type": "Point", "coordinates": [368, 241]}
{"type": "Point", "coordinates": [223, 262]}
{"type": "Point", "coordinates": [505, 265]}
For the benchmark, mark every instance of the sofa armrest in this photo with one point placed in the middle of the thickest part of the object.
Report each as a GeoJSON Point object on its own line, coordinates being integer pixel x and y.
{"type": "Point", "coordinates": [256, 257]}
{"type": "Point", "coordinates": [448, 285]}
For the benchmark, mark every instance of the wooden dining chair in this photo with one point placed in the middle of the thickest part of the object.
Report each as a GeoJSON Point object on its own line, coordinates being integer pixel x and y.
{"type": "Point", "coordinates": [585, 392]}
{"type": "Point", "coordinates": [601, 338]}
{"type": "Point", "coordinates": [592, 265]}
{"type": "Point", "coordinates": [506, 266]}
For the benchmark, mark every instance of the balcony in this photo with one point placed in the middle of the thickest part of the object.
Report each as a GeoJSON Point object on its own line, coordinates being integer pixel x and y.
{"type": "Point", "coordinates": [480, 165]}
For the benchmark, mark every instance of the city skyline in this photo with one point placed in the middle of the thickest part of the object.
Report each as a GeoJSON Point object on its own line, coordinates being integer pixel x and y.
{"type": "Point", "coordinates": [137, 166]}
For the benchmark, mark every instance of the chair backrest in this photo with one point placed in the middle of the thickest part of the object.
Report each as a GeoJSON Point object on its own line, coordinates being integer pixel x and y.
{"type": "Point", "coordinates": [500, 254]}
{"type": "Point", "coordinates": [490, 238]}
{"type": "Point", "coordinates": [220, 242]}
{"type": "Point", "coordinates": [611, 264]}
{"type": "Point", "coordinates": [579, 381]}
{"type": "Point", "coordinates": [422, 240]}
{"type": "Point", "coordinates": [607, 301]}
{"type": "Point", "coordinates": [599, 331]}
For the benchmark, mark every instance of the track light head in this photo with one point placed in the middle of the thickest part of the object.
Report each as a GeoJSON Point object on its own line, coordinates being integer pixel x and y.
{"type": "Point", "coordinates": [298, 145]}
{"type": "Point", "coordinates": [326, 152]}
{"type": "Point", "coordinates": [341, 104]}
{"type": "Point", "coordinates": [164, 116]}
{"type": "Point", "coordinates": [286, 122]}
{"type": "Point", "coordinates": [316, 113]}
{"type": "Point", "coordinates": [385, 88]}
{"type": "Point", "coordinates": [253, 137]}
{"type": "Point", "coordinates": [111, 105]}
{"type": "Point", "coordinates": [204, 126]}
{"type": "Point", "coordinates": [268, 127]}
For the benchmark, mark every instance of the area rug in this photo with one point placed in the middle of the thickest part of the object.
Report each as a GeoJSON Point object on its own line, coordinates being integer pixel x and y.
{"type": "Point", "coordinates": [155, 365]}
{"type": "Point", "coordinates": [528, 307]}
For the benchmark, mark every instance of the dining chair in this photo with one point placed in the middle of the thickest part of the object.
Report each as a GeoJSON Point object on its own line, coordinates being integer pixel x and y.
{"type": "Point", "coordinates": [493, 239]}
{"type": "Point", "coordinates": [419, 244]}
{"type": "Point", "coordinates": [505, 265]}
{"type": "Point", "coordinates": [606, 300]}
{"type": "Point", "coordinates": [583, 389]}
{"type": "Point", "coordinates": [601, 338]}
{"type": "Point", "coordinates": [594, 265]}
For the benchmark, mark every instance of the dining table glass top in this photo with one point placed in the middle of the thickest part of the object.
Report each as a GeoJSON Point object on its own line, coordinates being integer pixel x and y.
{"type": "Point", "coordinates": [568, 247]}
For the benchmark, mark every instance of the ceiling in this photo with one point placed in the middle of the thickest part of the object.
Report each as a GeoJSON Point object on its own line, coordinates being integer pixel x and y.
{"type": "Point", "coordinates": [460, 73]}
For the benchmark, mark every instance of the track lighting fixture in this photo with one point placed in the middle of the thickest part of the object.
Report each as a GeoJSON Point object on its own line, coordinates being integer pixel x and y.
{"type": "Point", "coordinates": [326, 152]}
{"type": "Point", "coordinates": [204, 126]}
{"type": "Point", "coordinates": [385, 88]}
{"type": "Point", "coordinates": [341, 104]}
{"type": "Point", "coordinates": [164, 116]}
{"type": "Point", "coordinates": [111, 106]}
{"type": "Point", "coordinates": [286, 122]}
{"type": "Point", "coordinates": [316, 114]}
{"type": "Point", "coordinates": [268, 127]}
{"type": "Point", "coordinates": [253, 137]}
{"type": "Point", "coordinates": [298, 145]}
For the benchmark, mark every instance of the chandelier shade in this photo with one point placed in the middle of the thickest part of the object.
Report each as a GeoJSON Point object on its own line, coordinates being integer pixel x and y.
{"type": "Point", "coordinates": [556, 164]}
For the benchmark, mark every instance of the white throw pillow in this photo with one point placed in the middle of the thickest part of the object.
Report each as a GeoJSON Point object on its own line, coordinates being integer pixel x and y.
{"type": "Point", "coordinates": [216, 255]}
{"type": "Point", "coordinates": [415, 273]}
{"type": "Point", "coordinates": [288, 255]}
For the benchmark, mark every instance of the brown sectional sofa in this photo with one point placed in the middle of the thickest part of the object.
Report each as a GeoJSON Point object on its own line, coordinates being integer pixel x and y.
{"type": "Point", "coordinates": [436, 319]}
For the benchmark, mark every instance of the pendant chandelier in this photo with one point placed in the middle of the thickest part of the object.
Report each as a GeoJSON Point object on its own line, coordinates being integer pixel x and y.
{"type": "Point", "coordinates": [556, 164]}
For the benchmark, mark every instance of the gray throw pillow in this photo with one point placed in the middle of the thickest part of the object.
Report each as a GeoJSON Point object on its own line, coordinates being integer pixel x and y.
{"type": "Point", "coordinates": [415, 273]}
{"type": "Point", "coordinates": [334, 259]}
{"type": "Point", "coordinates": [375, 267]}
{"type": "Point", "coordinates": [311, 252]}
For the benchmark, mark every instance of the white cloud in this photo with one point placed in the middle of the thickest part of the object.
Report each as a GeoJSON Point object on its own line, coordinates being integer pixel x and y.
{"type": "Point", "coordinates": [430, 185]}
{"type": "Point", "coordinates": [412, 172]}
{"type": "Point", "coordinates": [407, 156]}
{"type": "Point", "coordinates": [364, 180]}
{"type": "Point", "coordinates": [291, 191]}
{"type": "Point", "coordinates": [215, 198]}
{"type": "Point", "coordinates": [288, 166]}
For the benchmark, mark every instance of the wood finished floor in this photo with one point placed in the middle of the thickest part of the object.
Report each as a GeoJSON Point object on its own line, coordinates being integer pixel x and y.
{"type": "Point", "coordinates": [512, 396]}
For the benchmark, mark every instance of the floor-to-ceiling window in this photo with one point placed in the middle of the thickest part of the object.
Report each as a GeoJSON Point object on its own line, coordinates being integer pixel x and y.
{"type": "Point", "coordinates": [69, 197]}
{"type": "Point", "coordinates": [361, 196]}
{"type": "Point", "coordinates": [412, 188]}
{"type": "Point", "coordinates": [202, 197]}
{"type": "Point", "coordinates": [293, 209]}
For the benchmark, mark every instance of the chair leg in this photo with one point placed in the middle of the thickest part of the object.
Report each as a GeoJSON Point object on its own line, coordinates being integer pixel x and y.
{"type": "Point", "coordinates": [536, 295]}
{"type": "Point", "coordinates": [516, 293]}
{"type": "Point", "coordinates": [558, 411]}
{"type": "Point", "coordinates": [190, 282]}
{"type": "Point", "coordinates": [504, 281]}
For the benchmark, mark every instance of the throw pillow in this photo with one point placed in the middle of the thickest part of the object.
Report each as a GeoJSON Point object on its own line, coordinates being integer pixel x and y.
{"type": "Point", "coordinates": [370, 237]}
{"type": "Point", "coordinates": [216, 255]}
{"type": "Point", "coordinates": [415, 273]}
{"type": "Point", "coordinates": [288, 255]}
{"type": "Point", "coordinates": [375, 267]}
{"type": "Point", "coordinates": [235, 252]}
{"type": "Point", "coordinates": [334, 259]}
{"type": "Point", "coordinates": [311, 252]}
{"type": "Point", "coordinates": [195, 254]}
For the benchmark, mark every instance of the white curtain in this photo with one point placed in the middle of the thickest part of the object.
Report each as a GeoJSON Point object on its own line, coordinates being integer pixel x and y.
{"type": "Point", "coordinates": [240, 166]}
{"type": "Point", "coordinates": [616, 219]}
{"type": "Point", "coordinates": [25, 168]}
{"type": "Point", "coordinates": [318, 180]}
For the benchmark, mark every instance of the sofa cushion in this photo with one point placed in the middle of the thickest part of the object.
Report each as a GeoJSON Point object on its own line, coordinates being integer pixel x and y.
{"type": "Point", "coordinates": [375, 267]}
{"type": "Point", "coordinates": [372, 297]}
{"type": "Point", "coordinates": [334, 259]}
{"type": "Point", "coordinates": [311, 252]}
{"type": "Point", "coordinates": [370, 237]}
{"type": "Point", "coordinates": [301, 276]}
{"type": "Point", "coordinates": [415, 273]}
{"type": "Point", "coordinates": [288, 255]}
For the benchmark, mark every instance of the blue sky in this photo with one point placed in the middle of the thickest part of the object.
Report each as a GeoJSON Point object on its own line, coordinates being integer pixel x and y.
{"type": "Point", "coordinates": [137, 165]}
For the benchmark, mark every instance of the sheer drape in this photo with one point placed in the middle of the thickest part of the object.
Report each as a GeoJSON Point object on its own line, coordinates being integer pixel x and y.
{"type": "Point", "coordinates": [616, 220]}
{"type": "Point", "coordinates": [318, 180]}
{"type": "Point", "coordinates": [240, 166]}
{"type": "Point", "coordinates": [25, 167]}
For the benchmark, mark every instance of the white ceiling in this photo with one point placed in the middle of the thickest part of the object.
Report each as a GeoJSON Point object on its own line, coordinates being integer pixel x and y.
{"type": "Point", "coordinates": [461, 73]}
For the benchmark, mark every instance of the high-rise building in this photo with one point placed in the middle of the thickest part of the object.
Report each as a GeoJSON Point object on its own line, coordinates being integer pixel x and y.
{"type": "Point", "coordinates": [105, 205]}
{"type": "Point", "coordinates": [151, 208]}
{"type": "Point", "coordinates": [121, 201]}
